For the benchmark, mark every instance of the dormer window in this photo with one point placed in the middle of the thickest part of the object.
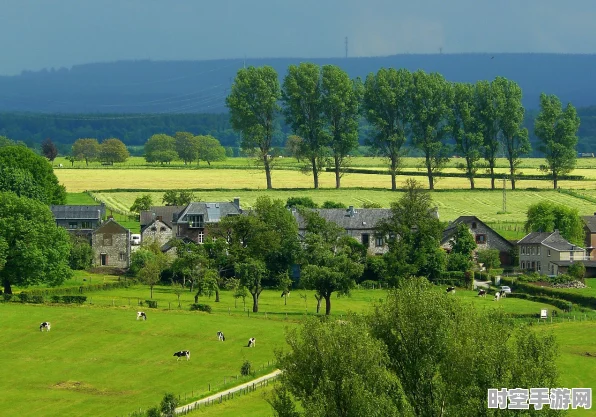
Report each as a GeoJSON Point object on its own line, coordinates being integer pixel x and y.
{"type": "Point", "coordinates": [195, 221]}
{"type": "Point", "coordinates": [474, 225]}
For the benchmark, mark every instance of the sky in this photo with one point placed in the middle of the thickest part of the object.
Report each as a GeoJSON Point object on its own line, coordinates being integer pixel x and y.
{"type": "Point", "coordinates": [37, 34]}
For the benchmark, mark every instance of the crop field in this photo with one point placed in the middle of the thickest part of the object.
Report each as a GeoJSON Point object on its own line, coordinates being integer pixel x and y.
{"type": "Point", "coordinates": [292, 163]}
{"type": "Point", "coordinates": [484, 204]}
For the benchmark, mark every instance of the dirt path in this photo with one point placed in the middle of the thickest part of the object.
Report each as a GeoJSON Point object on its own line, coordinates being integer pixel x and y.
{"type": "Point", "coordinates": [216, 396]}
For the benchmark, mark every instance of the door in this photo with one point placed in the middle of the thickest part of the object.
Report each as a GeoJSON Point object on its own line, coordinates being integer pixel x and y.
{"type": "Point", "coordinates": [365, 240]}
{"type": "Point", "coordinates": [104, 259]}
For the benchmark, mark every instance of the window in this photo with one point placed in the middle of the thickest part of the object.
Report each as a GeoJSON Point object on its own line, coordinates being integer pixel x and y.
{"type": "Point", "coordinates": [86, 225]}
{"type": "Point", "coordinates": [538, 250]}
{"type": "Point", "coordinates": [533, 265]}
{"type": "Point", "coordinates": [474, 225]}
{"type": "Point", "coordinates": [122, 256]}
{"type": "Point", "coordinates": [107, 240]}
{"type": "Point", "coordinates": [162, 229]}
{"type": "Point", "coordinates": [195, 221]}
{"type": "Point", "coordinates": [480, 239]}
{"type": "Point", "coordinates": [548, 253]}
{"type": "Point", "coordinates": [538, 266]}
{"type": "Point", "coordinates": [72, 225]}
{"type": "Point", "coordinates": [154, 229]}
{"type": "Point", "coordinates": [201, 236]}
{"type": "Point", "coordinates": [523, 265]}
{"type": "Point", "coordinates": [523, 250]}
{"type": "Point", "coordinates": [532, 249]}
{"type": "Point", "coordinates": [379, 241]}
{"type": "Point", "coordinates": [365, 240]}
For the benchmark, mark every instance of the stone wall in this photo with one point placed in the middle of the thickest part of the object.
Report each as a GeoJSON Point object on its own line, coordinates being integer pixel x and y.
{"type": "Point", "coordinates": [117, 253]}
{"type": "Point", "coordinates": [157, 231]}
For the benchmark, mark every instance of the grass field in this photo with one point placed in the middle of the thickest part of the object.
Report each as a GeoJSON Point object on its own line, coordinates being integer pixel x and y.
{"type": "Point", "coordinates": [484, 204]}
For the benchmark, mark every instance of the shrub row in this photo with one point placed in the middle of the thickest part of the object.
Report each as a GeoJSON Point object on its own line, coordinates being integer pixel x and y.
{"type": "Point", "coordinates": [25, 297]}
{"type": "Point", "coordinates": [200, 307]}
{"type": "Point", "coordinates": [579, 299]}
{"type": "Point", "coordinates": [560, 304]}
{"type": "Point", "coordinates": [83, 288]}
{"type": "Point", "coordinates": [151, 303]}
{"type": "Point", "coordinates": [457, 174]}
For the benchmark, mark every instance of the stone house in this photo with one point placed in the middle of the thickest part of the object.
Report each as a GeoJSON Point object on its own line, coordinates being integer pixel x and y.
{"type": "Point", "coordinates": [358, 223]}
{"type": "Point", "coordinates": [589, 233]}
{"type": "Point", "coordinates": [79, 220]}
{"type": "Point", "coordinates": [157, 224]}
{"type": "Point", "coordinates": [485, 237]}
{"type": "Point", "coordinates": [111, 245]}
{"type": "Point", "coordinates": [192, 222]}
{"type": "Point", "coordinates": [548, 253]}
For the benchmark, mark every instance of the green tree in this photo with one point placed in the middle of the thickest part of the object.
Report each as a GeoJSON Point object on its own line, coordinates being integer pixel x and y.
{"type": "Point", "coordinates": [488, 99]}
{"type": "Point", "coordinates": [113, 150]}
{"type": "Point", "coordinates": [189, 263]}
{"type": "Point", "coordinates": [160, 148]}
{"type": "Point", "coordinates": [440, 347]}
{"type": "Point", "coordinates": [511, 118]}
{"type": "Point", "coordinates": [49, 150]}
{"type": "Point", "coordinates": [168, 405]}
{"type": "Point", "coordinates": [155, 262]}
{"type": "Point", "coordinates": [341, 109]}
{"type": "Point", "coordinates": [42, 174]}
{"type": "Point", "coordinates": [333, 204]}
{"type": "Point", "coordinates": [331, 260]}
{"type": "Point", "coordinates": [178, 198]}
{"type": "Point", "coordinates": [81, 253]}
{"type": "Point", "coordinates": [302, 94]}
{"type": "Point", "coordinates": [251, 273]}
{"type": "Point", "coordinates": [557, 130]}
{"type": "Point", "coordinates": [22, 183]}
{"type": "Point", "coordinates": [577, 270]}
{"type": "Point", "coordinates": [490, 258]}
{"type": "Point", "coordinates": [463, 241]}
{"type": "Point", "coordinates": [388, 108]}
{"type": "Point", "coordinates": [187, 146]}
{"type": "Point", "coordinates": [293, 146]}
{"type": "Point", "coordinates": [547, 216]}
{"type": "Point", "coordinates": [431, 97]}
{"type": "Point", "coordinates": [306, 202]}
{"type": "Point", "coordinates": [210, 150]}
{"type": "Point", "coordinates": [468, 137]}
{"type": "Point", "coordinates": [336, 369]}
{"type": "Point", "coordinates": [253, 104]}
{"type": "Point", "coordinates": [38, 250]}
{"type": "Point", "coordinates": [86, 149]}
{"type": "Point", "coordinates": [414, 234]}
{"type": "Point", "coordinates": [142, 203]}
{"type": "Point", "coordinates": [3, 252]}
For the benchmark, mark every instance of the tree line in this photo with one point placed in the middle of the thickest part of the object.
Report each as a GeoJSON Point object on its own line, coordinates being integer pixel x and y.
{"type": "Point", "coordinates": [323, 106]}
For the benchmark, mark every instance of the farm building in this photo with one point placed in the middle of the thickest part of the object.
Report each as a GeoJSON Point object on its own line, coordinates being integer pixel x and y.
{"type": "Point", "coordinates": [111, 245]}
{"type": "Point", "coordinates": [485, 237]}
{"type": "Point", "coordinates": [79, 220]}
{"type": "Point", "coordinates": [193, 220]}
{"type": "Point", "coordinates": [157, 223]}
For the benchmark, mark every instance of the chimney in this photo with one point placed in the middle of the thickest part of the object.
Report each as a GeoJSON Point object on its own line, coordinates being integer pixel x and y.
{"type": "Point", "coordinates": [152, 216]}
{"type": "Point", "coordinates": [351, 211]}
{"type": "Point", "coordinates": [159, 218]}
{"type": "Point", "coordinates": [237, 202]}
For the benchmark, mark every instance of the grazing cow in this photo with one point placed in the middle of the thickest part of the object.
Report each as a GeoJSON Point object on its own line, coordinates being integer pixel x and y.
{"type": "Point", "coordinates": [60, 165]}
{"type": "Point", "coordinates": [221, 337]}
{"type": "Point", "coordinates": [497, 296]}
{"type": "Point", "coordinates": [45, 325]}
{"type": "Point", "coordinates": [482, 293]}
{"type": "Point", "coordinates": [141, 315]}
{"type": "Point", "coordinates": [287, 294]}
{"type": "Point", "coordinates": [503, 294]}
{"type": "Point", "coordinates": [450, 290]}
{"type": "Point", "coordinates": [181, 354]}
{"type": "Point", "coordinates": [251, 342]}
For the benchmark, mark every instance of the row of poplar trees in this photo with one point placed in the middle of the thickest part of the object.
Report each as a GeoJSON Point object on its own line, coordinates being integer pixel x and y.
{"type": "Point", "coordinates": [324, 107]}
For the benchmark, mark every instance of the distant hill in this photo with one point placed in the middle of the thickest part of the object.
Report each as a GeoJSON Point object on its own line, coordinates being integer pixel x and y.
{"type": "Point", "coordinates": [201, 86]}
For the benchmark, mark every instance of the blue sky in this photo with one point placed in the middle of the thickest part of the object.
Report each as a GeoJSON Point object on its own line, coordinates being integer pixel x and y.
{"type": "Point", "coordinates": [36, 34]}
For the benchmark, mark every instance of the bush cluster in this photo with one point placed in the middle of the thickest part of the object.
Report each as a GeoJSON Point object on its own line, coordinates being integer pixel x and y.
{"type": "Point", "coordinates": [579, 299]}
{"type": "Point", "coordinates": [200, 307]}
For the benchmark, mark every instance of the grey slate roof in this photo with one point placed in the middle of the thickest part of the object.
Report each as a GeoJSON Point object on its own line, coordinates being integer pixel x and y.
{"type": "Point", "coordinates": [111, 226]}
{"type": "Point", "coordinates": [78, 212]}
{"type": "Point", "coordinates": [587, 264]}
{"type": "Point", "coordinates": [590, 222]}
{"type": "Point", "coordinates": [451, 229]}
{"type": "Point", "coordinates": [166, 213]}
{"type": "Point", "coordinates": [212, 212]}
{"type": "Point", "coordinates": [361, 219]}
{"type": "Point", "coordinates": [551, 239]}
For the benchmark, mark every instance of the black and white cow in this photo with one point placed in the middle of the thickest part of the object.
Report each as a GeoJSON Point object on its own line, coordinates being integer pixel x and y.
{"type": "Point", "coordinates": [503, 294]}
{"type": "Point", "coordinates": [141, 315]}
{"type": "Point", "coordinates": [45, 325]}
{"type": "Point", "coordinates": [497, 296]}
{"type": "Point", "coordinates": [181, 354]}
{"type": "Point", "coordinates": [450, 290]}
{"type": "Point", "coordinates": [251, 342]}
{"type": "Point", "coordinates": [482, 293]}
{"type": "Point", "coordinates": [221, 337]}
{"type": "Point", "coordinates": [285, 294]}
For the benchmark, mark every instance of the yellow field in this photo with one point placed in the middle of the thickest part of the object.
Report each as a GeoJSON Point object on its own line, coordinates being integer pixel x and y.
{"type": "Point", "coordinates": [77, 180]}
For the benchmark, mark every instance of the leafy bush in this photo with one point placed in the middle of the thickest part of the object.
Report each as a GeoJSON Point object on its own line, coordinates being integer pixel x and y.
{"type": "Point", "coordinates": [301, 202]}
{"type": "Point", "coordinates": [55, 298]}
{"type": "Point", "coordinates": [73, 299]}
{"type": "Point", "coordinates": [579, 299]}
{"type": "Point", "coordinates": [245, 368]}
{"type": "Point", "coordinates": [6, 297]}
{"type": "Point", "coordinates": [333, 204]}
{"type": "Point", "coordinates": [168, 405]}
{"type": "Point", "coordinates": [577, 270]}
{"type": "Point", "coordinates": [36, 299]}
{"type": "Point", "coordinates": [200, 307]}
{"type": "Point", "coordinates": [368, 284]}
{"type": "Point", "coordinates": [151, 303]}
{"type": "Point", "coordinates": [24, 297]}
{"type": "Point", "coordinates": [560, 304]}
